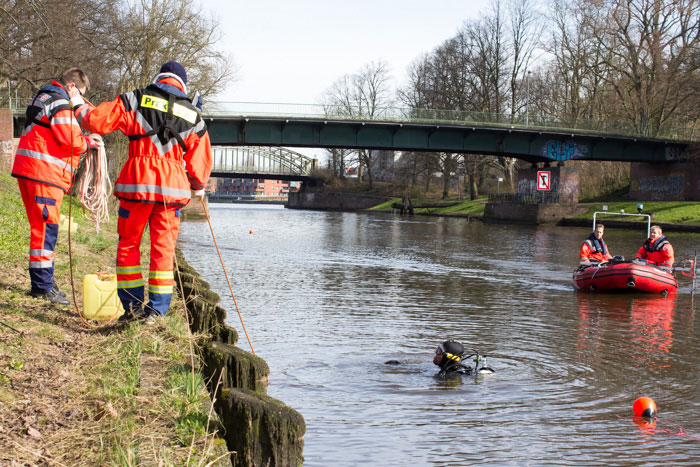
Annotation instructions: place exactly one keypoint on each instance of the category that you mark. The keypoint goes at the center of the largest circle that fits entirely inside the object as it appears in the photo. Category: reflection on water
(329, 297)
(645, 321)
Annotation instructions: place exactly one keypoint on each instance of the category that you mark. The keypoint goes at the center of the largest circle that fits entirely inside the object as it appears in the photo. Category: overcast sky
(291, 51)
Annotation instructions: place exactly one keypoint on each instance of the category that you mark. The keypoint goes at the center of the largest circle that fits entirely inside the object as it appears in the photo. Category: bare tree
(525, 32)
(37, 43)
(149, 33)
(365, 94)
(652, 54)
(339, 159)
(572, 86)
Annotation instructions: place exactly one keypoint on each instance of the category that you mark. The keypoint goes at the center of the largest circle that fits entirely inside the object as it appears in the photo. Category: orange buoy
(250, 232)
(644, 407)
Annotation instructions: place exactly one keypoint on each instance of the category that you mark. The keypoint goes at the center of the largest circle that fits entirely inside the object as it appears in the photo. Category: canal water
(328, 298)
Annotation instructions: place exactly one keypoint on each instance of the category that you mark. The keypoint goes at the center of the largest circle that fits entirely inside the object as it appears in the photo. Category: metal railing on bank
(532, 198)
(15, 104)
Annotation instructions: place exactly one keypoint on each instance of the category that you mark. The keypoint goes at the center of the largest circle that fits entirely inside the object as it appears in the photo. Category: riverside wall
(260, 429)
(323, 201)
(512, 213)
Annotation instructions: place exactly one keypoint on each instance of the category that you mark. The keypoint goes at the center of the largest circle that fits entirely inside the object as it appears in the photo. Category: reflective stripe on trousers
(164, 222)
(42, 204)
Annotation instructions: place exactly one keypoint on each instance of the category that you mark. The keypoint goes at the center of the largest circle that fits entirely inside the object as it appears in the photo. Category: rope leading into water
(206, 213)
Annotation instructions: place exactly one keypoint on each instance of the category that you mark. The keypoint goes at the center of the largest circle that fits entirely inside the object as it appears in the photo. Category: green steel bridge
(529, 137)
(534, 138)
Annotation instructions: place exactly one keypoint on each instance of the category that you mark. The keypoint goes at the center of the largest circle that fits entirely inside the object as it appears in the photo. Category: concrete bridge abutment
(670, 181)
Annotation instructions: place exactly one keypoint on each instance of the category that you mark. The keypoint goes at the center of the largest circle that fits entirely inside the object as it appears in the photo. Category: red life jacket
(658, 252)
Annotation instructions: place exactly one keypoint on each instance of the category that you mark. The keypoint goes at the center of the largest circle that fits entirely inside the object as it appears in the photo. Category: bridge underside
(528, 144)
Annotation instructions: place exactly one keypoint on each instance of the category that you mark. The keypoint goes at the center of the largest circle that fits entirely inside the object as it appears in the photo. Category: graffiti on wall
(674, 153)
(557, 185)
(564, 150)
(6, 147)
(660, 187)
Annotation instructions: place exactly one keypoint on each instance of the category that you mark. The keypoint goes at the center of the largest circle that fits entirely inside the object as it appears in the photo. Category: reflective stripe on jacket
(49, 149)
(164, 130)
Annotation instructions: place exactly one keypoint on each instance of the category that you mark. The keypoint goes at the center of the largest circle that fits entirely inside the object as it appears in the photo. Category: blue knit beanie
(176, 69)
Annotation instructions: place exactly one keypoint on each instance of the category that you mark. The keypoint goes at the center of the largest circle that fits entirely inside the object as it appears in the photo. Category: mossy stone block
(228, 335)
(263, 431)
(235, 368)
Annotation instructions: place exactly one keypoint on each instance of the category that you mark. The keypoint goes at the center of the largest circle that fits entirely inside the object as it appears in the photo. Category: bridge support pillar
(562, 182)
(672, 181)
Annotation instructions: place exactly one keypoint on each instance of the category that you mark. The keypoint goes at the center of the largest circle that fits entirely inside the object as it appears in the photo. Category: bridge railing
(690, 132)
(680, 132)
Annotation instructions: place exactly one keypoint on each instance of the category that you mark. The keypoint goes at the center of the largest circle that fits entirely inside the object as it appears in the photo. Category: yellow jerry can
(100, 299)
(63, 224)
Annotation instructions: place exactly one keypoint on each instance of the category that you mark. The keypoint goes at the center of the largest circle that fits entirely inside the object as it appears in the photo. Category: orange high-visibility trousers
(164, 224)
(43, 206)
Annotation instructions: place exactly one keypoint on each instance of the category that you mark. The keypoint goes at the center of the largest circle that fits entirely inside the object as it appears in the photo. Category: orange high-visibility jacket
(658, 252)
(49, 149)
(590, 252)
(164, 129)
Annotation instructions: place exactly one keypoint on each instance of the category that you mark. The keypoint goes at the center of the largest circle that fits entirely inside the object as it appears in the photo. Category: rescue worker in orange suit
(593, 248)
(169, 159)
(657, 249)
(47, 157)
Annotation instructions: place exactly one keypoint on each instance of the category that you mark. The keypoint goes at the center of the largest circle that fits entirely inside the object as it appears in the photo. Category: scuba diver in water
(450, 357)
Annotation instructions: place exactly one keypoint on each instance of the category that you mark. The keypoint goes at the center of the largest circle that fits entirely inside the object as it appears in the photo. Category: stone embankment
(331, 201)
(260, 429)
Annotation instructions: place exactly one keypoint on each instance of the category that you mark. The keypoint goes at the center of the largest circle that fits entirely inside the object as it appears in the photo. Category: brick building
(252, 188)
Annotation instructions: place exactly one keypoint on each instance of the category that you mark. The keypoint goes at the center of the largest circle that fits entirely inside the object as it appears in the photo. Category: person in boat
(450, 357)
(657, 250)
(593, 249)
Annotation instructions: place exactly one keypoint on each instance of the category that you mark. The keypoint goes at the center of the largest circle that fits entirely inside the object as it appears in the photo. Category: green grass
(14, 228)
(451, 206)
(621, 195)
(126, 397)
(186, 397)
(671, 212)
(118, 374)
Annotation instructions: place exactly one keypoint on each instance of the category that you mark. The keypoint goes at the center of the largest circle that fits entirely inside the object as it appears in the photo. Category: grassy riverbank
(663, 212)
(447, 207)
(71, 395)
